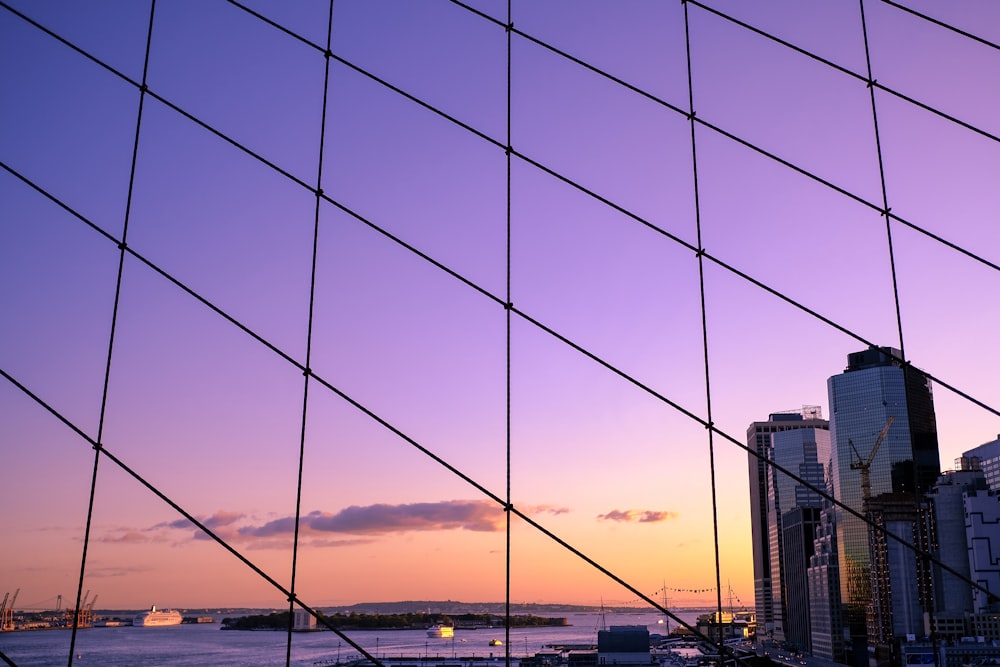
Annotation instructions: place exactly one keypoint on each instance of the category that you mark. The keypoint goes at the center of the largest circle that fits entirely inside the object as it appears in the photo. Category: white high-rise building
(982, 529)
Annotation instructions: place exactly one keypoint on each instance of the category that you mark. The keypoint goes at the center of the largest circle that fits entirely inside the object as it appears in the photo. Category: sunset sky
(212, 417)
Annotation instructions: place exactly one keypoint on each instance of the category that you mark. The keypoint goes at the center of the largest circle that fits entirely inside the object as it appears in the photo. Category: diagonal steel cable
(849, 72)
(575, 185)
(557, 336)
(481, 135)
(747, 144)
(108, 454)
(717, 261)
(941, 24)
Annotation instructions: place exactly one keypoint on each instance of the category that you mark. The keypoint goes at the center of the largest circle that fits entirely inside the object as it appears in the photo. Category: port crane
(864, 465)
(88, 614)
(78, 615)
(7, 612)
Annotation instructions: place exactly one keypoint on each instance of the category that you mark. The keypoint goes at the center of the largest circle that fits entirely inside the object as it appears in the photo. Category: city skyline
(413, 434)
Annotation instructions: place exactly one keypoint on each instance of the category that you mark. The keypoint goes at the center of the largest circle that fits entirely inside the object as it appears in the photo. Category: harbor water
(198, 645)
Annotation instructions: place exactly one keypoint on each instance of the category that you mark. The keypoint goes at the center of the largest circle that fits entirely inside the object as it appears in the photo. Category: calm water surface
(206, 644)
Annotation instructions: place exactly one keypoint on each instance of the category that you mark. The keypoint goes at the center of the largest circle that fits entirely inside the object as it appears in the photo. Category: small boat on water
(157, 617)
(441, 631)
(496, 642)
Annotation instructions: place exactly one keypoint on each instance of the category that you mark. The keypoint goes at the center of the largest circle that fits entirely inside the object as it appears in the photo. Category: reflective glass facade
(988, 456)
(873, 388)
(759, 441)
(803, 452)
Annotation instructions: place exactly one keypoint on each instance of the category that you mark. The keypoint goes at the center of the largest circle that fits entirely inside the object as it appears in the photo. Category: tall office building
(826, 637)
(873, 388)
(953, 596)
(901, 580)
(982, 530)
(799, 527)
(988, 456)
(803, 452)
(766, 535)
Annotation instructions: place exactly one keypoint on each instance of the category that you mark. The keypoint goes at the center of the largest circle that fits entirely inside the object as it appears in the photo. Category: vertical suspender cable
(98, 444)
(309, 334)
(507, 314)
(704, 333)
(881, 174)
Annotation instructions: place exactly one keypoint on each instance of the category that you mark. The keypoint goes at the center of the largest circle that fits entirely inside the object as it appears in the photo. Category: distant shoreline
(431, 607)
(352, 621)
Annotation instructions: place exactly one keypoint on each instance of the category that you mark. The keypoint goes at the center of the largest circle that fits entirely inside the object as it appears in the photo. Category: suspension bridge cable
(621, 82)
(274, 583)
(565, 341)
(319, 195)
(621, 209)
(704, 327)
(942, 24)
(845, 70)
(635, 217)
(98, 444)
(607, 202)
(922, 230)
(309, 336)
(507, 345)
(482, 489)
(881, 175)
(762, 151)
(424, 256)
(195, 522)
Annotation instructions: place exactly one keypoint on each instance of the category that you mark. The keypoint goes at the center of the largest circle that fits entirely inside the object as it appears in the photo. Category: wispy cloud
(357, 524)
(545, 509)
(117, 571)
(380, 519)
(126, 536)
(638, 516)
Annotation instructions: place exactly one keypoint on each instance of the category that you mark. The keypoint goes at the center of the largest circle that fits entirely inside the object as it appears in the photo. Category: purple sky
(212, 418)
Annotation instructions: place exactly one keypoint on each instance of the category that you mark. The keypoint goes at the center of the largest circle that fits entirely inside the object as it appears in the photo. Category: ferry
(154, 617)
(441, 631)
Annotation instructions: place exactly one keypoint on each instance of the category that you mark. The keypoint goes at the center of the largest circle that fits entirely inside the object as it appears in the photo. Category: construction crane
(864, 465)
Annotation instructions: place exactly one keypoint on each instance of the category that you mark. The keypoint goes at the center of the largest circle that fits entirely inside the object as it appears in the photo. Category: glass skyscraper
(874, 387)
(769, 498)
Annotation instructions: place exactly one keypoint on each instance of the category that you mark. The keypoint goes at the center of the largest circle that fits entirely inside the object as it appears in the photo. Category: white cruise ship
(441, 631)
(155, 617)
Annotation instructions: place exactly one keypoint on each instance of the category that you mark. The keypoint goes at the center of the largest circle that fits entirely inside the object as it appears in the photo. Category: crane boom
(879, 439)
(865, 466)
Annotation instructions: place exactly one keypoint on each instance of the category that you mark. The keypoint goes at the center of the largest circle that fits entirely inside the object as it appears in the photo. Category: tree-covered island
(279, 620)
